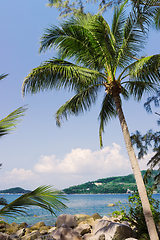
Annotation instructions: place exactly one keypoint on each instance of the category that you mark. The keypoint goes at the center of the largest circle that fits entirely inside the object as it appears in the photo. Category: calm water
(86, 204)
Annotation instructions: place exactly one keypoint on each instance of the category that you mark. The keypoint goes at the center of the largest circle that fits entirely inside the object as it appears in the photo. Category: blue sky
(39, 152)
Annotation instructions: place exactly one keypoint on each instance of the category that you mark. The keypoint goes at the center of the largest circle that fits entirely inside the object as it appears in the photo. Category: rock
(66, 233)
(36, 226)
(31, 236)
(83, 229)
(46, 228)
(89, 221)
(114, 231)
(27, 231)
(12, 229)
(52, 229)
(131, 239)
(21, 232)
(125, 223)
(67, 219)
(88, 236)
(96, 216)
(15, 237)
(4, 236)
(81, 217)
(14, 224)
(100, 224)
(23, 225)
(111, 205)
(43, 232)
(102, 237)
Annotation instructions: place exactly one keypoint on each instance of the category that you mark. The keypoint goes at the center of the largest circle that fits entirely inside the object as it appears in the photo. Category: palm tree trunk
(137, 173)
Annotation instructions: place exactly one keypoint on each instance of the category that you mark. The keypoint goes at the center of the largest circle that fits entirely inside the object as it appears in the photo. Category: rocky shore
(70, 227)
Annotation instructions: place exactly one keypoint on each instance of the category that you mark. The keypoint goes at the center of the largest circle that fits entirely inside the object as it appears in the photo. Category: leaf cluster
(135, 214)
(44, 197)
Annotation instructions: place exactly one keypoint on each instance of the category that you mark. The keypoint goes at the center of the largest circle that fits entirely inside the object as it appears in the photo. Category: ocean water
(77, 204)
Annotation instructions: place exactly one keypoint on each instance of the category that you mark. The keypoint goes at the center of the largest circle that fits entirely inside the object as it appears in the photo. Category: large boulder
(99, 225)
(4, 236)
(114, 231)
(66, 233)
(67, 219)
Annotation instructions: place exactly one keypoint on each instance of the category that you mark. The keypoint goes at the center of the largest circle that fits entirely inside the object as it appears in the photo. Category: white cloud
(19, 177)
(107, 161)
(77, 167)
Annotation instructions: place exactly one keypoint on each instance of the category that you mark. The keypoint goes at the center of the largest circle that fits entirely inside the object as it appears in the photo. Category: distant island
(16, 190)
(121, 184)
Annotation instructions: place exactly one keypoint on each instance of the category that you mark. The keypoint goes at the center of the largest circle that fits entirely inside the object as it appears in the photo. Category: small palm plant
(44, 197)
(105, 58)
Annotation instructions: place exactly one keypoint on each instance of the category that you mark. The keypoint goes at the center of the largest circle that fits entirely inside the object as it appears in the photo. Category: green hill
(15, 190)
(121, 184)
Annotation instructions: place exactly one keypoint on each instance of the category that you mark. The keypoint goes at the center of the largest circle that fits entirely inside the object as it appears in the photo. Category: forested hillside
(14, 190)
(121, 184)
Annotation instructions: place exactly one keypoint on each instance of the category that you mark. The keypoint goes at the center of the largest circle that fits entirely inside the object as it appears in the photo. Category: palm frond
(157, 19)
(108, 111)
(87, 40)
(79, 103)
(144, 76)
(43, 196)
(9, 123)
(57, 74)
(3, 76)
(119, 17)
(135, 33)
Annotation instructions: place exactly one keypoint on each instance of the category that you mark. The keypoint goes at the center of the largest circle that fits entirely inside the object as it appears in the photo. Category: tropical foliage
(148, 140)
(44, 197)
(74, 7)
(101, 53)
(134, 215)
(9, 123)
(104, 58)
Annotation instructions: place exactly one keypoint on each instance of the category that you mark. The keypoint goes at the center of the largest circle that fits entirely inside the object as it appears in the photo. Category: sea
(77, 204)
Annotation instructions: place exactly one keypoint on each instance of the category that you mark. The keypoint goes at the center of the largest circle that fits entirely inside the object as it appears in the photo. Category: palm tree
(44, 196)
(104, 58)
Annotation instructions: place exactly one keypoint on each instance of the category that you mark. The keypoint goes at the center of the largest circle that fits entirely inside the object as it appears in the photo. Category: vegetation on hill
(14, 190)
(121, 184)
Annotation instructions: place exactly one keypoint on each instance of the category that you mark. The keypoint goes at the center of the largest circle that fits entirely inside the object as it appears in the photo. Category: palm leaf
(57, 74)
(79, 39)
(79, 103)
(3, 76)
(9, 123)
(108, 111)
(43, 196)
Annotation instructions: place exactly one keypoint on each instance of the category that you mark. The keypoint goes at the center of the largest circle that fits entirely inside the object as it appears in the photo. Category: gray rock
(31, 236)
(114, 231)
(131, 239)
(66, 233)
(88, 236)
(100, 224)
(83, 229)
(102, 237)
(96, 216)
(67, 219)
(4, 236)
(21, 232)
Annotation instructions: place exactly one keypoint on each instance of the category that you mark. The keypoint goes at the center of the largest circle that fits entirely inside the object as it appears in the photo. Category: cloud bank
(78, 166)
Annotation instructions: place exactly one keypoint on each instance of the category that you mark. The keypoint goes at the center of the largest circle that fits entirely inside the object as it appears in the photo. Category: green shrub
(135, 214)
